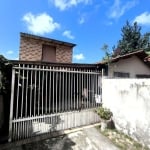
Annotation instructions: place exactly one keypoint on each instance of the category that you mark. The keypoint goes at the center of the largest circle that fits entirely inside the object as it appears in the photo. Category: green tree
(132, 39)
(107, 56)
(146, 40)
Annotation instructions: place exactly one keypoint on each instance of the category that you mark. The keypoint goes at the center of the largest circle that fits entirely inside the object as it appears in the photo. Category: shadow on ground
(84, 139)
(58, 143)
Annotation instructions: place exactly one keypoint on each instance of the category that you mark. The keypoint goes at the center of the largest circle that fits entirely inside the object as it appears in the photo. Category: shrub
(104, 113)
(5, 74)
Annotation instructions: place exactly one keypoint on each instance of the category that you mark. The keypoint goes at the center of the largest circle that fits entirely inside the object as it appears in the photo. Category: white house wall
(129, 100)
(132, 65)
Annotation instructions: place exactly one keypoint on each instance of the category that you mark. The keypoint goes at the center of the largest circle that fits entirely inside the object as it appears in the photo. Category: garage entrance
(52, 97)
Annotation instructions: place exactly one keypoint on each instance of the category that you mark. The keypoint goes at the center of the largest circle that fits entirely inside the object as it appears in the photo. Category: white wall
(129, 100)
(133, 65)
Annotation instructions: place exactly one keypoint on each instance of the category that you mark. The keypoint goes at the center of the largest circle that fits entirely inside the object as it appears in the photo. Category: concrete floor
(84, 139)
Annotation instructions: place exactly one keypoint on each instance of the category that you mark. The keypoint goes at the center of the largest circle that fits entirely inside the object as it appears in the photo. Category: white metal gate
(46, 98)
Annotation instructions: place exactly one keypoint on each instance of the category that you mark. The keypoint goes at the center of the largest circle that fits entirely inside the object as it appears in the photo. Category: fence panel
(49, 98)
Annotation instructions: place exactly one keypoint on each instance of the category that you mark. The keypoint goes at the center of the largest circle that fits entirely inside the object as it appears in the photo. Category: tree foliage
(105, 48)
(132, 39)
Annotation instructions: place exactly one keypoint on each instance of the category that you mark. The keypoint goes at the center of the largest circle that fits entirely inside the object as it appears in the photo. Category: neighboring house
(132, 65)
(36, 48)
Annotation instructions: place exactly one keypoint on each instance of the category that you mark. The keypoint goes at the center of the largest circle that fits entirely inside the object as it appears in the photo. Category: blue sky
(87, 23)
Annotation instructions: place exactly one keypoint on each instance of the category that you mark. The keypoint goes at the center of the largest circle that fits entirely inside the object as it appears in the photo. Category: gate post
(11, 104)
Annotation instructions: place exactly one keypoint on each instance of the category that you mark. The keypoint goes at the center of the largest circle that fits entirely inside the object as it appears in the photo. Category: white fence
(129, 100)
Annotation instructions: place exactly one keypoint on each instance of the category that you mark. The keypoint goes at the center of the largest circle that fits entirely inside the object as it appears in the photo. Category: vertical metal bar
(27, 92)
(88, 90)
(66, 91)
(85, 89)
(18, 129)
(74, 90)
(74, 99)
(60, 92)
(63, 92)
(69, 92)
(92, 94)
(86, 83)
(80, 89)
(67, 99)
(14, 131)
(77, 89)
(98, 89)
(31, 86)
(11, 104)
(42, 89)
(50, 89)
(89, 93)
(35, 80)
(46, 99)
(95, 94)
(92, 86)
(39, 90)
(101, 85)
(82, 92)
(71, 105)
(53, 90)
(23, 129)
(22, 98)
(96, 86)
(18, 87)
(56, 80)
(27, 128)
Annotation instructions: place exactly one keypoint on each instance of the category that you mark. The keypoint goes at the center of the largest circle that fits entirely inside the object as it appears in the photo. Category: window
(49, 53)
(143, 76)
(121, 74)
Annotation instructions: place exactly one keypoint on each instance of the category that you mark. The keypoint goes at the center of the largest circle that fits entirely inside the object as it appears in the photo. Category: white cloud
(79, 56)
(68, 34)
(41, 23)
(9, 52)
(118, 9)
(143, 18)
(65, 4)
(82, 19)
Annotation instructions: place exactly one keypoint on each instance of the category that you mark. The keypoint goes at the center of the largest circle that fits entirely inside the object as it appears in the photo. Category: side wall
(127, 65)
(129, 100)
(31, 50)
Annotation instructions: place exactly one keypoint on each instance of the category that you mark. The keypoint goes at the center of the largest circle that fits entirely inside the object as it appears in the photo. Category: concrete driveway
(84, 139)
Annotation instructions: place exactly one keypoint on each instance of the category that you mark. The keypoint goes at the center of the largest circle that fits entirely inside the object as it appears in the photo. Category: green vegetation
(123, 141)
(4, 74)
(104, 113)
(131, 40)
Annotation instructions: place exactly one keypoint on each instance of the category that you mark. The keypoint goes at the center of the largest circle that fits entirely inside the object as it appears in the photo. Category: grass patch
(122, 141)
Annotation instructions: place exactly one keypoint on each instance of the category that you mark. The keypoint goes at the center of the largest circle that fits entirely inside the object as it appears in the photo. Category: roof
(140, 54)
(46, 39)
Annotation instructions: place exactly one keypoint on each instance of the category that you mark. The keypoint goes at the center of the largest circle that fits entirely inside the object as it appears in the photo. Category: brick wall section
(63, 54)
(31, 49)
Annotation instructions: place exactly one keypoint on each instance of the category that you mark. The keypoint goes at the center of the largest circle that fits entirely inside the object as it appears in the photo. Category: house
(131, 65)
(36, 48)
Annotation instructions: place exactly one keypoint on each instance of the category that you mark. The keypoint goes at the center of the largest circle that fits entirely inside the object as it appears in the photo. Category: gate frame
(16, 63)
